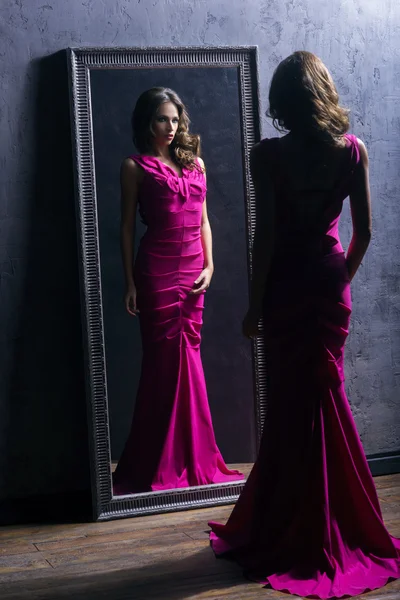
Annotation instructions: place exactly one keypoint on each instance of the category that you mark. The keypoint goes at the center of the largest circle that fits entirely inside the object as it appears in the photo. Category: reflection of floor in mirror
(244, 468)
(155, 557)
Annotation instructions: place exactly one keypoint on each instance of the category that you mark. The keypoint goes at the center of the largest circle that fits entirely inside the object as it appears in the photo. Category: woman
(171, 443)
(308, 521)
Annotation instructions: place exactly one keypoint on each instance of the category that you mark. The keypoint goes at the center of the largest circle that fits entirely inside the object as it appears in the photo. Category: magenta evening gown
(308, 521)
(171, 442)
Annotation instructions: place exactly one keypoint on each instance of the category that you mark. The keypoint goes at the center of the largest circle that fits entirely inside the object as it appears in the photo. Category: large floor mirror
(219, 88)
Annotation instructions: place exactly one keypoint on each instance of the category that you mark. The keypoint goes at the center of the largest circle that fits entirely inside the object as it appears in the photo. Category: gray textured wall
(42, 414)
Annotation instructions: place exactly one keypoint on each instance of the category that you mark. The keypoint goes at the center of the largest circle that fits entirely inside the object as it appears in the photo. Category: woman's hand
(130, 300)
(250, 325)
(203, 281)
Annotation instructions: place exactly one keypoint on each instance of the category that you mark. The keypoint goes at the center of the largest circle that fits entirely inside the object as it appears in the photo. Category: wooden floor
(156, 557)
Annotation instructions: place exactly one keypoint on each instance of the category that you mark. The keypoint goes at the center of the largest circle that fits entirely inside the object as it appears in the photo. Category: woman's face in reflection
(165, 124)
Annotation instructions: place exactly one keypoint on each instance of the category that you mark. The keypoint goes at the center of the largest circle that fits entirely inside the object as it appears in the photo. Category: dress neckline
(163, 164)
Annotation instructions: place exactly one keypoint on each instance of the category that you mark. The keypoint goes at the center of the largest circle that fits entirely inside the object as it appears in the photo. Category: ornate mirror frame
(81, 62)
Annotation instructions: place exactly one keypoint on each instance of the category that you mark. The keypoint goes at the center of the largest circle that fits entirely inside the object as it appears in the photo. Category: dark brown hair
(303, 99)
(185, 146)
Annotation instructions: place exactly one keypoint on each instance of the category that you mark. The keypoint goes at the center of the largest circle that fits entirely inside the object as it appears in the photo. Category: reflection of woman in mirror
(308, 520)
(171, 443)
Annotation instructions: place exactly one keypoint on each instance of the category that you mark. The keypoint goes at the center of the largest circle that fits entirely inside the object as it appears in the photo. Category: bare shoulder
(363, 152)
(259, 155)
(201, 162)
(130, 171)
(260, 151)
(262, 145)
(128, 165)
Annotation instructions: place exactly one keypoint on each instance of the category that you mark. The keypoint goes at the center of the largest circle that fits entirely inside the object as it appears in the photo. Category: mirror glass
(170, 426)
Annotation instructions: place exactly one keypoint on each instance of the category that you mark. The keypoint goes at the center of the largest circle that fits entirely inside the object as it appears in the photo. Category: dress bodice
(163, 193)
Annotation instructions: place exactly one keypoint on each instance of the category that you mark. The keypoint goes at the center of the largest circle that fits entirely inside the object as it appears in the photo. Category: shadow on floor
(176, 579)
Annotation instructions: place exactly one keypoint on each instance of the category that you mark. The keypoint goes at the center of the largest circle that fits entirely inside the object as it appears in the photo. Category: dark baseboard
(386, 463)
(71, 507)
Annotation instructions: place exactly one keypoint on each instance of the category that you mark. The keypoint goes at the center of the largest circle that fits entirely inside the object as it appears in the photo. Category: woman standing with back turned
(308, 520)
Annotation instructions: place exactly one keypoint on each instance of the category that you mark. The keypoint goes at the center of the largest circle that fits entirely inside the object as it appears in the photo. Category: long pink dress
(171, 442)
(308, 521)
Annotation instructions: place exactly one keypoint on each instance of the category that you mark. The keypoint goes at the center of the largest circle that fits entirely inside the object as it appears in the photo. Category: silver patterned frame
(81, 61)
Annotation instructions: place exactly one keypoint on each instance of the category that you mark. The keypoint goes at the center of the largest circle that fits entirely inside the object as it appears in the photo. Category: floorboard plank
(23, 562)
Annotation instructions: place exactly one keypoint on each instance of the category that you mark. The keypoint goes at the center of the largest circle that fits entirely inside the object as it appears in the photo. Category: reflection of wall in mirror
(211, 96)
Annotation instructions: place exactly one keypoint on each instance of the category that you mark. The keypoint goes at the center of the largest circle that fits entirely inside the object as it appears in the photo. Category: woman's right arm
(129, 178)
(360, 204)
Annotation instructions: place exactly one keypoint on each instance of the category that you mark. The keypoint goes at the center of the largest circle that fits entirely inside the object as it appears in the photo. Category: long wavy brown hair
(185, 146)
(303, 99)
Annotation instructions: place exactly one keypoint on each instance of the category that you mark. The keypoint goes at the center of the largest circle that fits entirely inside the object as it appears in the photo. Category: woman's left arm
(204, 279)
